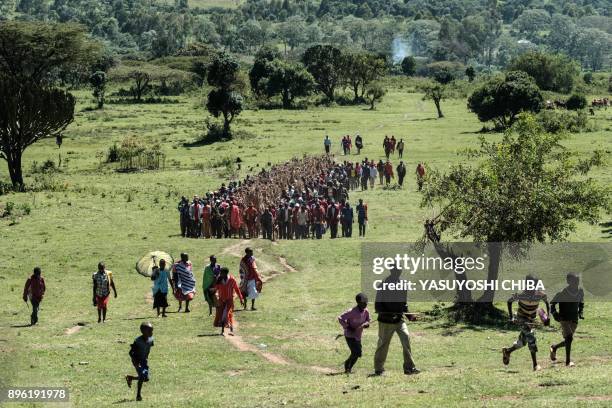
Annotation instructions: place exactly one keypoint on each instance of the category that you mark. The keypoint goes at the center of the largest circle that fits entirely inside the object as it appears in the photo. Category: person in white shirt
(373, 174)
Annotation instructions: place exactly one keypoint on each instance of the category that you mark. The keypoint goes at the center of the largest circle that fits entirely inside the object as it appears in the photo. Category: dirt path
(268, 272)
(74, 329)
(237, 341)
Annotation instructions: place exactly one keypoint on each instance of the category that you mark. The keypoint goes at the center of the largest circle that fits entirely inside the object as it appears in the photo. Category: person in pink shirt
(353, 321)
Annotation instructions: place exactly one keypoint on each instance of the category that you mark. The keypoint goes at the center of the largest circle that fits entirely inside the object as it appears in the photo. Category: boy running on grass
(354, 321)
(139, 353)
(528, 302)
(571, 305)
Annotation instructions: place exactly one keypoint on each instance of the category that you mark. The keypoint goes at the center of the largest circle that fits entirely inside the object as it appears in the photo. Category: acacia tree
(32, 57)
(143, 75)
(325, 64)
(141, 84)
(361, 69)
(28, 114)
(525, 188)
(225, 100)
(436, 92)
(35, 52)
(440, 87)
(374, 94)
(289, 81)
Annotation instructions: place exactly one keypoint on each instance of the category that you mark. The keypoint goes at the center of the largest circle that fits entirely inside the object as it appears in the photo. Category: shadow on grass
(469, 316)
(481, 131)
(203, 142)
(210, 335)
(335, 374)
(606, 229)
(421, 120)
(20, 326)
(123, 401)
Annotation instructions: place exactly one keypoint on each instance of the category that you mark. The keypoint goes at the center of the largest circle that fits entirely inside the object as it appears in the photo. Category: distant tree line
(478, 32)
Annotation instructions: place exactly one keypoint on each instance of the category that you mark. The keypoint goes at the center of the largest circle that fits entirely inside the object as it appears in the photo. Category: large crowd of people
(299, 199)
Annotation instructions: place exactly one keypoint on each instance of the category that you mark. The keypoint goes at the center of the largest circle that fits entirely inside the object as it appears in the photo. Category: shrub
(47, 182)
(135, 154)
(222, 162)
(408, 66)
(25, 208)
(8, 209)
(113, 154)
(559, 121)
(576, 102)
(48, 166)
(5, 187)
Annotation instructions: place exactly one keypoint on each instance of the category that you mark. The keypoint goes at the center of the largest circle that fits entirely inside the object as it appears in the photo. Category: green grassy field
(97, 213)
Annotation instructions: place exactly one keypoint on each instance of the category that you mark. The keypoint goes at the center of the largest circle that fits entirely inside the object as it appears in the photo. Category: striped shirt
(184, 277)
(528, 302)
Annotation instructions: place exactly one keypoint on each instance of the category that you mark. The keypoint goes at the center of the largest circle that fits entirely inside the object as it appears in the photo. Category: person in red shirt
(235, 220)
(420, 172)
(251, 216)
(388, 172)
(250, 281)
(34, 290)
(318, 216)
(225, 288)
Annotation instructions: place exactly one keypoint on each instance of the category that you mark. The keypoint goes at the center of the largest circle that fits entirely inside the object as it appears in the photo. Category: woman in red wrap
(226, 287)
(235, 219)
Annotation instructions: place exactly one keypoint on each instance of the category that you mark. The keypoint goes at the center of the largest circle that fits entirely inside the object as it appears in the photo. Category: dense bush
(48, 166)
(564, 121)
(443, 71)
(135, 154)
(576, 102)
(551, 72)
(501, 99)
